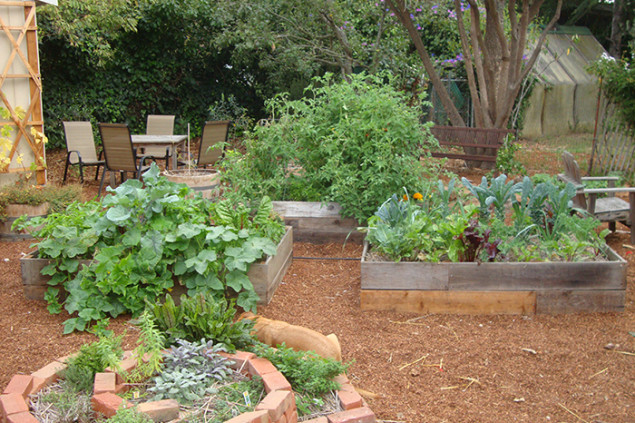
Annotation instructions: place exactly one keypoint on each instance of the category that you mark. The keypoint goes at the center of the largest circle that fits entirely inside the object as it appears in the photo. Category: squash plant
(145, 238)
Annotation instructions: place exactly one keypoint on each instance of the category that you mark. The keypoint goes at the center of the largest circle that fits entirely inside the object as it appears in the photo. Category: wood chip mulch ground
(411, 368)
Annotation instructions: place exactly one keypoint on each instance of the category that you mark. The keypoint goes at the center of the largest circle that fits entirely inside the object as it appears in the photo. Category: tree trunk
(402, 12)
(617, 24)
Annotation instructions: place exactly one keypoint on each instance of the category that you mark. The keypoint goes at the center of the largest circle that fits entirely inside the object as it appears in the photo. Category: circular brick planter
(278, 406)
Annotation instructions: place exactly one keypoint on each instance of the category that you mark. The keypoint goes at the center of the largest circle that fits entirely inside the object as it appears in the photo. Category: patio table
(161, 141)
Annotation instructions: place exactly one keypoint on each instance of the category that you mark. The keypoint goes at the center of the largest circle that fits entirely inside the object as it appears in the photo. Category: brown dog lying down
(275, 332)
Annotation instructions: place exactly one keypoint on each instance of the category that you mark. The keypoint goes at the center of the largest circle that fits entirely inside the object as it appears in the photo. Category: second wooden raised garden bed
(317, 222)
(494, 288)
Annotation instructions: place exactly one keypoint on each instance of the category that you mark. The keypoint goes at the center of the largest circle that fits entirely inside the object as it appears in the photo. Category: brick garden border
(278, 406)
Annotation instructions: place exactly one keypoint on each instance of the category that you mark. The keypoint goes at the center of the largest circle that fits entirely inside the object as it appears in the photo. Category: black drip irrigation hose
(326, 258)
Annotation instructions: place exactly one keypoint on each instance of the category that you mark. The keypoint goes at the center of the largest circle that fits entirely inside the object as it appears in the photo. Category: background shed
(564, 98)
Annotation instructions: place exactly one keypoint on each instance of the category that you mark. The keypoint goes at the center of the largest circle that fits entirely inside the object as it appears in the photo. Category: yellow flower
(19, 159)
(33, 131)
(417, 196)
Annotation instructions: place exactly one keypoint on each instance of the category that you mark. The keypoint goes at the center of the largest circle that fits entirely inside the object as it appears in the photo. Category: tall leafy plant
(353, 142)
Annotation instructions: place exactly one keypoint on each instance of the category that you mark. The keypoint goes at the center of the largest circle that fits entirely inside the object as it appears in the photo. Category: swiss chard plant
(110, 256)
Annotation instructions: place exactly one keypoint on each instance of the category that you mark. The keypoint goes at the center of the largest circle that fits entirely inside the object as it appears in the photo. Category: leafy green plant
(307, 372)
(352, 142)
(142, 240)
(529, 223)
(496, 195)
(91, 359)
(190, 371)
(506, 161)
(201, 316)
(129, 415)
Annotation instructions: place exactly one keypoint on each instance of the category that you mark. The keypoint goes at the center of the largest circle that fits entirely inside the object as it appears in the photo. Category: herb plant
(142, 240)
(352, 142)
(91, 359)
(230, 400)
(129, 415)
(62, 403)
(201, 316)
(191, 371)
(307, 372)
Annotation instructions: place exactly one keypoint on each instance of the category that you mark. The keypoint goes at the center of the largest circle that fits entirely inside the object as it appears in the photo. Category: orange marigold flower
(417, 196)
(405, 197)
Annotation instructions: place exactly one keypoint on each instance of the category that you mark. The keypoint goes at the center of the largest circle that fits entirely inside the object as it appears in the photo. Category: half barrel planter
(264, 275)
(13, 211)
(494, 288)
(318, 222)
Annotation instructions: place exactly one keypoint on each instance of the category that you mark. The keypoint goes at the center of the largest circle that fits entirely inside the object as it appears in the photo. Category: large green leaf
(118, 214)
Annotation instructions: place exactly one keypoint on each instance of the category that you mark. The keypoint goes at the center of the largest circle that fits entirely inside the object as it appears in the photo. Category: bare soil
(411, 368)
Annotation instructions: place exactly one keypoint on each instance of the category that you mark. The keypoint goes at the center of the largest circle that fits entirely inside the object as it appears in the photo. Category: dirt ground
(564, 368)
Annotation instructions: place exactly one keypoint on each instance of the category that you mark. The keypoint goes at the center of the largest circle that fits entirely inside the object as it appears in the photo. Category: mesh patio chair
(214, 132)
(159, 125)
(80, 148)
(119, 153)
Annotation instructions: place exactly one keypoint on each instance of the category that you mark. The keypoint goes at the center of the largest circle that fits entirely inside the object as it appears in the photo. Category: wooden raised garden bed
(265, 276)
(494, 288)
(317, 222)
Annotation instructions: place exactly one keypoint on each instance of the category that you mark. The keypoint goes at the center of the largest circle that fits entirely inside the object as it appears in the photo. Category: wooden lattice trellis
(613, 143)
(33, 112)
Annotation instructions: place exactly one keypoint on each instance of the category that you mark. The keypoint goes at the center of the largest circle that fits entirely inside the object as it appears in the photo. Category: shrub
(618, 83)
(351, 142)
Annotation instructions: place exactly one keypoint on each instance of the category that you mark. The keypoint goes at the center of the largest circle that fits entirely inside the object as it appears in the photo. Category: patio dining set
(124, 152)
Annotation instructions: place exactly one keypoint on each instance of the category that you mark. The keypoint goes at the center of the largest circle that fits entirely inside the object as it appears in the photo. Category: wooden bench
(479, 144)
(609, 209)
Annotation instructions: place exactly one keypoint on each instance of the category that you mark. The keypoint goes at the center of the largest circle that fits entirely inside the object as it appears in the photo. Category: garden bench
(480, 145)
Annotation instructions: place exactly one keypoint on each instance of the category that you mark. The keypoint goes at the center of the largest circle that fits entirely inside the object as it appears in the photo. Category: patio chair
(214, 132)
(609, 209)
(80, 148)
(159, 125)
(119, 152)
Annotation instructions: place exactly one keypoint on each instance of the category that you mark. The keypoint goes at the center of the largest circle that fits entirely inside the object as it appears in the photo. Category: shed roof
(565, 56)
